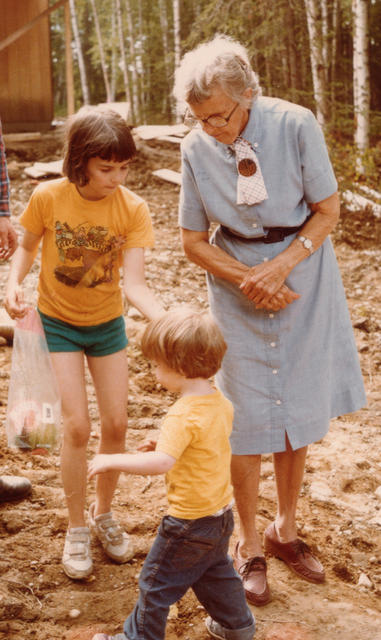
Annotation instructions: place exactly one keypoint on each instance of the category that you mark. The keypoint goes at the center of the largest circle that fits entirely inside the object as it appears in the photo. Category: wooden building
(26, 88)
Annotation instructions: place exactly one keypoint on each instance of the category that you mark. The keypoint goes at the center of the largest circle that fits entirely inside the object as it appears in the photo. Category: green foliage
(275, 33)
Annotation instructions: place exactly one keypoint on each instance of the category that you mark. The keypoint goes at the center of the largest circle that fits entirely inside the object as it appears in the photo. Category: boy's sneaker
(76, 557)
(115, 542)
(218, 631)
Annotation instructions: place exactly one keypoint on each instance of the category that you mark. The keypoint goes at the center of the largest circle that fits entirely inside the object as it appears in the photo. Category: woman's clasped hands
(264, 285)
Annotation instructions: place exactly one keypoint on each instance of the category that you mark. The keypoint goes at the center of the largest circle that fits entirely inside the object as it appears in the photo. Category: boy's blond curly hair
(187, 341)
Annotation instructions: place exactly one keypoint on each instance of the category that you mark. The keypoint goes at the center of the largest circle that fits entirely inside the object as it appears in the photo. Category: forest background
(323, 54)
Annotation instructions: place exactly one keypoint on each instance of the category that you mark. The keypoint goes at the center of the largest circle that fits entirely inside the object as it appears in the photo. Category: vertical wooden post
(69, 63)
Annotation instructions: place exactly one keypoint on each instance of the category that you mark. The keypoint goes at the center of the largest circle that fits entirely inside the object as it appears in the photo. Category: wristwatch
(307, 243)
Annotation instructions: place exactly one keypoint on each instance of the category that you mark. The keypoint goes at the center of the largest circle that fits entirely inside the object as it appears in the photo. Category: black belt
(274, 234)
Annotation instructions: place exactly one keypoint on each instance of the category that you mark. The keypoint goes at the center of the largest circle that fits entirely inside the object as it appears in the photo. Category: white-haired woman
(259, 167)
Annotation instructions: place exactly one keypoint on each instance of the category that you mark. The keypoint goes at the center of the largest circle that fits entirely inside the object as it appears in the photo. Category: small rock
(364, 581)
(74, 613)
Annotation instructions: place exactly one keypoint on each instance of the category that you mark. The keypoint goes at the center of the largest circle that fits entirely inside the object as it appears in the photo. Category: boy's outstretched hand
(101, 463)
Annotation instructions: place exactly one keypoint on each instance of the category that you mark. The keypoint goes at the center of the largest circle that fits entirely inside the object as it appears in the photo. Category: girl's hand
(14, 302)
(100, 464)
(147, 445)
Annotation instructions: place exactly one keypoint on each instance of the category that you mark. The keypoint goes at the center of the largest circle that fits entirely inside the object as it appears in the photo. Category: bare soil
(340, 506)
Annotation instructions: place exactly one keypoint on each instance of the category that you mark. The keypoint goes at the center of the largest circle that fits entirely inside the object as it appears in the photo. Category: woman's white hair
(220, 63)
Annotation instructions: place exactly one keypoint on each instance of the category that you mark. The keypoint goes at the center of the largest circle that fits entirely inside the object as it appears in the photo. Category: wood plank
(150, 131)
(168, 174)
(123, 108)
(174, 139)
(40, 169)
(21, 137)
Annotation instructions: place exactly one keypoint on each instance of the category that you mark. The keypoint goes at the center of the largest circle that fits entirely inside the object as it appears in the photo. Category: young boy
(193, 450)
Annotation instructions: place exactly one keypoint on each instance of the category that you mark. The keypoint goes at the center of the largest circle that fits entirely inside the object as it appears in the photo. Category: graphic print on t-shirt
(88, 254)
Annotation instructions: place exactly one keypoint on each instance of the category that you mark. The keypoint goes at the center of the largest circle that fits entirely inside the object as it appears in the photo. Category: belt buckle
(274, 235)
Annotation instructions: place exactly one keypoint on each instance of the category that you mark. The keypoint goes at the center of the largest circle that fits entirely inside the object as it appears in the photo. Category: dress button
(265, 259)
(255, 145)
(275, 371)
(273, 344)
(271, 315)
(279, 401)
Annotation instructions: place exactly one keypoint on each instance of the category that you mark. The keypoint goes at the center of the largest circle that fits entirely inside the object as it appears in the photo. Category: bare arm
(263, 281)
(135, 286)
(21, 264)
(221, 264)
(145, 463)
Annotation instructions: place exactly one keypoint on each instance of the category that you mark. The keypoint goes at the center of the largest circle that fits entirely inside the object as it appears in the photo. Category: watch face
(307, 243)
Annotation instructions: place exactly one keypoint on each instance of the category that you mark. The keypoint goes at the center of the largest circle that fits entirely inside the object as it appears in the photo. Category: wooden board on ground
(123, 108)
(21, 137)
(168, 174)
(174, 139)
(40, 169)
(150, 131)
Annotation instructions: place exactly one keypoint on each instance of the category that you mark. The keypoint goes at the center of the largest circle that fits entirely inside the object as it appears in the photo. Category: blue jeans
(189, 553)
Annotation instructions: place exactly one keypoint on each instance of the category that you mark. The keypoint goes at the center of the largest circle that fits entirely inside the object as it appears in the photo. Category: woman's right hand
(280, 300)
(14, 302)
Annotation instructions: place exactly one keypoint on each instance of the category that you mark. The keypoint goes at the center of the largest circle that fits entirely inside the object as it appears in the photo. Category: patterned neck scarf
(251, 188)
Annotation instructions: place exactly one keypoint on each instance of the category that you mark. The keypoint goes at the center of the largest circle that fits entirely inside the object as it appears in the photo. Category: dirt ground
(340, 506)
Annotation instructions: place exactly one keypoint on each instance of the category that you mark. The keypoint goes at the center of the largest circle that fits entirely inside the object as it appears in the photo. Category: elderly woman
(259, 168)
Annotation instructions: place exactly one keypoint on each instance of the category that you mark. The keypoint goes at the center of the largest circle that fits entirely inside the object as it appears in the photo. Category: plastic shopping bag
(34, 408)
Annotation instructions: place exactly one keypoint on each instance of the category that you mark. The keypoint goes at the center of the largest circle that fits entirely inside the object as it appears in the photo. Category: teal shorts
(96, 340)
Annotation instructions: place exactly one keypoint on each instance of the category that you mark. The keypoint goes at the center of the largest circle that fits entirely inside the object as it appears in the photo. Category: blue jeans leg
(184, 551)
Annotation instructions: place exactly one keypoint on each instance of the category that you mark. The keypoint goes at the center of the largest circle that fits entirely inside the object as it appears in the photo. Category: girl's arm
(135, 286)
(147, 463)
(20, 266)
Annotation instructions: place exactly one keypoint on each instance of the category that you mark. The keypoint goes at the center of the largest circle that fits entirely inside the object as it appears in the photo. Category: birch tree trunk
(134, 74)
(167, 102)
(101, 51)
(78, 47)
(123, 62)
(177, 42)
(361, 90)
(113, 52)
(317, 60)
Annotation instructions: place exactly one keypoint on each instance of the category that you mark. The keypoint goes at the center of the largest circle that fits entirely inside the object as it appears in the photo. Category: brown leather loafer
(296, 554)
(253, 574)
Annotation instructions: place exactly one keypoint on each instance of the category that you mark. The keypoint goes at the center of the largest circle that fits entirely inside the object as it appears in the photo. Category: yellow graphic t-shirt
(196, 433)
(82, 248)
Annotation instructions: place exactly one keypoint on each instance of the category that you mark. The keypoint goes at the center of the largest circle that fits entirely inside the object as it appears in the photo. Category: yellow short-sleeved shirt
(196, 433)
(82, 246)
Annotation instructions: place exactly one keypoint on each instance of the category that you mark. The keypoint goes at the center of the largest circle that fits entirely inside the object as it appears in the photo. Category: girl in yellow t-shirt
(90, 226)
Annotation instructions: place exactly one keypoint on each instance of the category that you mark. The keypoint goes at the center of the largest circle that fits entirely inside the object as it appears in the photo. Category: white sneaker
(76, 557)
(115, 542)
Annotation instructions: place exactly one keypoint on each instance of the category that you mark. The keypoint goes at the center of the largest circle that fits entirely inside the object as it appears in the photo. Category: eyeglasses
(213, 121)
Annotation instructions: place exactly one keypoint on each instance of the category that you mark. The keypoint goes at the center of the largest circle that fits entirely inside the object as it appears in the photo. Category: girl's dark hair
(95, 132)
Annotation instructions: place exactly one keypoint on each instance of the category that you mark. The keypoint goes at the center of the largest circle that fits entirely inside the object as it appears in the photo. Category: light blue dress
(293, 370)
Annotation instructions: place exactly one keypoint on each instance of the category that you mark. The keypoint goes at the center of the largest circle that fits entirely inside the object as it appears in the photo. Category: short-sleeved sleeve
(192, 213)
(35, 218)
(140, 232)
(318, 177)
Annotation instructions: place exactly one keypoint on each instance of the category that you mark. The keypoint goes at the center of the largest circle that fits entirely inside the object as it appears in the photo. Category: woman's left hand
(263, 282)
